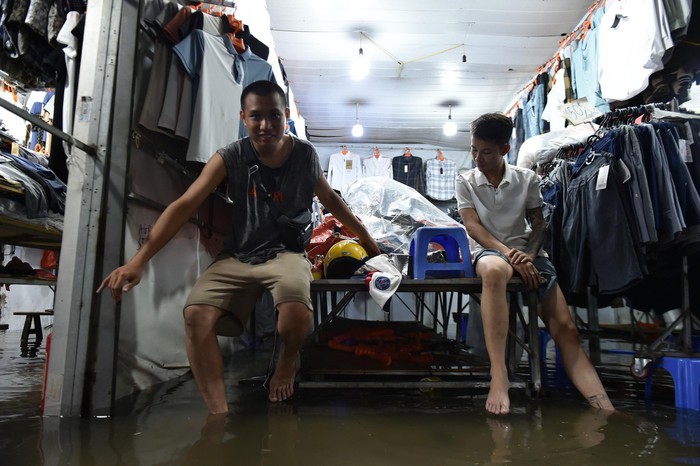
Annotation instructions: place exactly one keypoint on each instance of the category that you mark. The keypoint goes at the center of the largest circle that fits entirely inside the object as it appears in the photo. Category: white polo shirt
(501, 208)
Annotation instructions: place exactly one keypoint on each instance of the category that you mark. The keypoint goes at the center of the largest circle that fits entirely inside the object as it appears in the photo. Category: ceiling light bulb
(357, 130)
(360, 66)
(450, 127)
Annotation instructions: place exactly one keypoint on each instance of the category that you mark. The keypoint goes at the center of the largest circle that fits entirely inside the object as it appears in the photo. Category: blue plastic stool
(686, 380)
(560, 379)
(454, 240)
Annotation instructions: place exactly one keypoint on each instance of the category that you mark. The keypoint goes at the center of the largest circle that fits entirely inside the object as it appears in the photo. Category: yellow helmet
(343, 259)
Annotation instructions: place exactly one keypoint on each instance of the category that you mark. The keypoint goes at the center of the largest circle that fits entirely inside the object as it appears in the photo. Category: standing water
(169, 425)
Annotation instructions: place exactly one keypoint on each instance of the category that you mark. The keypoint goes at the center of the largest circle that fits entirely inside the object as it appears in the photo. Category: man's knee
(200, 316)
(495, 275)
(293, 314)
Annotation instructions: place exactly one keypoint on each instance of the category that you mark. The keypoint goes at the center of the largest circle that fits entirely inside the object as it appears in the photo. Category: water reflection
(334, 428)
(169, 426)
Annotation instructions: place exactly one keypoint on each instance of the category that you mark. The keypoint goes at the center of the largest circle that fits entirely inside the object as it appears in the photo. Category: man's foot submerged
(601, 401)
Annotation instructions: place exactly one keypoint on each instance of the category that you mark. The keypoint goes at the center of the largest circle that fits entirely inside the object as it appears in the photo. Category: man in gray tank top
(254, 257)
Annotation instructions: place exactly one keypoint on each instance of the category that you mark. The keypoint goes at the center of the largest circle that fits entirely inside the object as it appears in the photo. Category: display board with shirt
(343, 170)
(501, 209)
(409, 171)
(440, 178)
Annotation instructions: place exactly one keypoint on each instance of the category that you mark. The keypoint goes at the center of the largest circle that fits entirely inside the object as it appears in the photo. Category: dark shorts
(543, 265)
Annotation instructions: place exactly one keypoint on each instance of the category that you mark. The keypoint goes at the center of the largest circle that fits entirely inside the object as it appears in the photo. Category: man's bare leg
(293, 325)
(556, 316)
(495, 273)
(204, 354)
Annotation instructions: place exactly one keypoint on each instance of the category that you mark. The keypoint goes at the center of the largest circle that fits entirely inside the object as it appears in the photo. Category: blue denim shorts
(543, 265)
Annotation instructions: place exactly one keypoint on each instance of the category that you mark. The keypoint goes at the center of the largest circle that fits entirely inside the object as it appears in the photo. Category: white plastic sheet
(392, 212)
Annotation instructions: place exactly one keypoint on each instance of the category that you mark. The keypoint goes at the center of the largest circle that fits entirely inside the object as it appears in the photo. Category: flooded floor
(169, 426)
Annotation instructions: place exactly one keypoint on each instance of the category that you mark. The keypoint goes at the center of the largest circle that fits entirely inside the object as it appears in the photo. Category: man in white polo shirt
(501, 207)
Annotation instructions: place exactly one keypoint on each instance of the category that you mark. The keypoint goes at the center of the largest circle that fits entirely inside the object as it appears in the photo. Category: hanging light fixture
(360, 64)
(450, 127)
(357, 129)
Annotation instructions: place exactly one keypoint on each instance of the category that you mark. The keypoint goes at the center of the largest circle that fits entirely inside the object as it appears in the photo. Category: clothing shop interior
(112, 109)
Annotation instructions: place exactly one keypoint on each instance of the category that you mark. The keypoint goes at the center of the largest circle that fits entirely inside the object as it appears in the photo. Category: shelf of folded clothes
(29, 234)
(17, 272)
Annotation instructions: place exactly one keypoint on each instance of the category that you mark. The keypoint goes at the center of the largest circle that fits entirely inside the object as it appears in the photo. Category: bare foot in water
(282, 381)
(601, 401)
(498, 401)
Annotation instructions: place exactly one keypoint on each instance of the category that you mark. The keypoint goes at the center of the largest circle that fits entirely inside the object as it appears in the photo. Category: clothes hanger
(407, 152)
(344, 150)
(439, 155)
(236, 26)
(377, 153)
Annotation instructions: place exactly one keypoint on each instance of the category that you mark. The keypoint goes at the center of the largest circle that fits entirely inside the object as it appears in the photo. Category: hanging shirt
(555, 98)
(215, 119)
(66, 37)
(409, 171)
(343, 170)
(377, 166)
(634, 36)
(584, 63)
(440, 178)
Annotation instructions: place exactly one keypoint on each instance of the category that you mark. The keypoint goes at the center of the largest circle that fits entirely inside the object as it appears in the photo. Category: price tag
(579, 111)
(684, 149)
(348, 165)
(602, 181)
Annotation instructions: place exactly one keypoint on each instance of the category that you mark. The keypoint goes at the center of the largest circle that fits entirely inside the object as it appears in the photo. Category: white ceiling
(505, 41)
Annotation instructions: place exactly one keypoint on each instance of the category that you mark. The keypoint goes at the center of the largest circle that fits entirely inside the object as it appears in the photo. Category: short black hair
(263, 88)
(493, 127)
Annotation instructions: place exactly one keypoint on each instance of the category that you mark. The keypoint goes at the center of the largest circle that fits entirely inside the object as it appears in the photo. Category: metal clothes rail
(35, 120)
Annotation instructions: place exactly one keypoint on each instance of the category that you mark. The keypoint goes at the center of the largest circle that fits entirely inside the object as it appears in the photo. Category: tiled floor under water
(169, 425)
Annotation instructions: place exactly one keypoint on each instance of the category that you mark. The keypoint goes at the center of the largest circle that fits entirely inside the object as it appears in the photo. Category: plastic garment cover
(392, 211)
(544, 147)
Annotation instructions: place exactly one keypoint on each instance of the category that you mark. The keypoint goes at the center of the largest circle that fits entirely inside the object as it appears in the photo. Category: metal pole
(36, 121)
(75, 293)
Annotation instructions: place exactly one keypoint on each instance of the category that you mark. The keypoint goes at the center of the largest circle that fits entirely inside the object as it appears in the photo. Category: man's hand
(370, 246)
(516, 257)
(122, 279)
(529, 273)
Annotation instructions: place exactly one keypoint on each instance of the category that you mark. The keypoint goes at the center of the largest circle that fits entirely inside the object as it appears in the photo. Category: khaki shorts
(235, 286)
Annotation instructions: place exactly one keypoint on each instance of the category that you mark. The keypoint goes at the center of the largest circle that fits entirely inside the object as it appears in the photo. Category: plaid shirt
(409, 171)
(440, 178)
